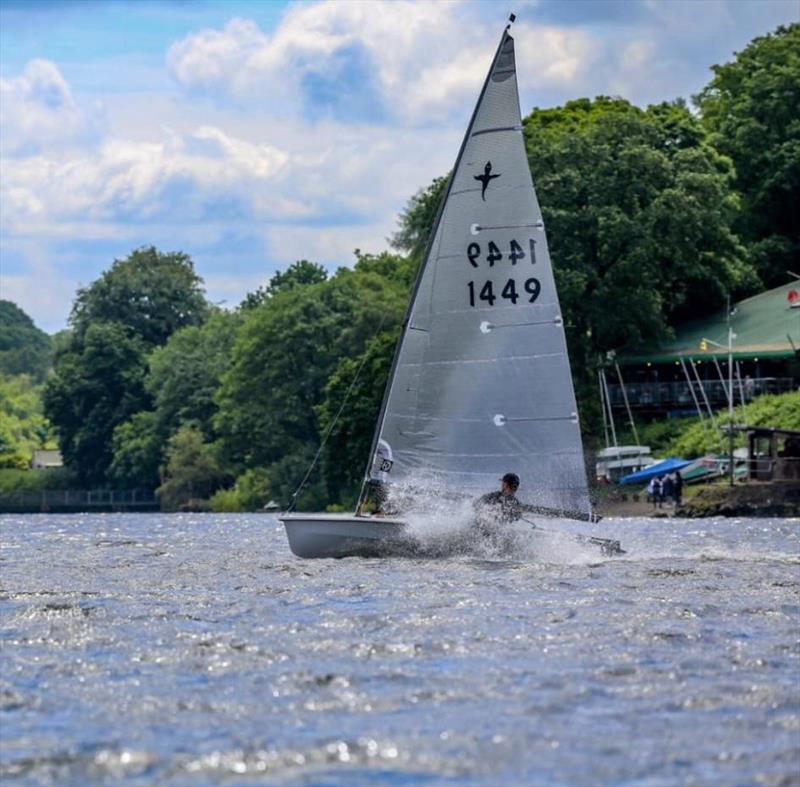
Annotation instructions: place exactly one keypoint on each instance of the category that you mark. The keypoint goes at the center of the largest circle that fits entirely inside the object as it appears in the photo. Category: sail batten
(481, 368)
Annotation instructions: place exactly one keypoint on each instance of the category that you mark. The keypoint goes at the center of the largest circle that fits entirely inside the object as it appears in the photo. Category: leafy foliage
(24, 349)
(23, 427)
(780, 411)
(151, 293)
(99, 384)
(251, 492)
(640, 212)
(185, 373)
(298, 274)
(191, 472)
(347, 450)
(137, 448)
(19, 480)
(284, 354)
(751, 109)
(418, 218)
(100, 368)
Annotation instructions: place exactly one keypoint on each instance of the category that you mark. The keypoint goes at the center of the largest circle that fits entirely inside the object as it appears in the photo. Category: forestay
(481, 383)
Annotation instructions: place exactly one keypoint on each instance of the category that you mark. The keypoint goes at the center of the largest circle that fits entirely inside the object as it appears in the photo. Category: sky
(250, 134)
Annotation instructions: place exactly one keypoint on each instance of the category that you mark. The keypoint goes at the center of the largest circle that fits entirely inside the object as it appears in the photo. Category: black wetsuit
(505, 507)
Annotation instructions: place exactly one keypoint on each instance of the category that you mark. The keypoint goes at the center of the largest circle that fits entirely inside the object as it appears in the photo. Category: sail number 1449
(485, 292)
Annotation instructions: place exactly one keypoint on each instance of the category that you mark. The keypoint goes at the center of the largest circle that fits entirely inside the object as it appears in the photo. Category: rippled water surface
(181, 649)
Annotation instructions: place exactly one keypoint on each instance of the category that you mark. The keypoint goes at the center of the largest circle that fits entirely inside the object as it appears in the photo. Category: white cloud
(426, 58)
(37, 109)
(186, 176)
(44, 292)
(331, 246)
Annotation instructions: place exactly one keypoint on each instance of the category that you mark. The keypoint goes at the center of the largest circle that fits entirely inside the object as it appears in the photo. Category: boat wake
(455, 531)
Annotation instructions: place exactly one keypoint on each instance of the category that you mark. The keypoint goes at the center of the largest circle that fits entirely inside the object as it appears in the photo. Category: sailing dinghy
(480, 384)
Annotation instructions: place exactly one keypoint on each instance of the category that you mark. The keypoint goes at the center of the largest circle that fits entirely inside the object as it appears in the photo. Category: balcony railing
(661, 396)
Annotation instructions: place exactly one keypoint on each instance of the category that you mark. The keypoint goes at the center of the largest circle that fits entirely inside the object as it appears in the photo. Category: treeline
(653, 215)
(159, 389)
(25, 357)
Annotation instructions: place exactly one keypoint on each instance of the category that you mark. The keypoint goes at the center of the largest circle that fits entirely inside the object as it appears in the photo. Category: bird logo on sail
(485, 178)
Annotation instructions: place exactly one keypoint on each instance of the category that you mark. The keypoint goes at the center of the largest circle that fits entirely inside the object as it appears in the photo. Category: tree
(347, 450)
(640, 212)
(150, 292)
(191, 472)
(137, 449)
(418, 217)
(99, 384)
(101, 364)
(182, 379)
(23, 428)
(298, 274)
(24, 349)
(185, 373)
(284, 354)
(752, 109)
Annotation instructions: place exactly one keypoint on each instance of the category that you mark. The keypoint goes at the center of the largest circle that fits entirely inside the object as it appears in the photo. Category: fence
(678, 394)
(75, 500)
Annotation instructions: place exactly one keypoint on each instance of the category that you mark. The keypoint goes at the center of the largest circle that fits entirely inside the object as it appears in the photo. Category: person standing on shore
(668, 488)
(677, 487)
(651, 492)
(658, 495)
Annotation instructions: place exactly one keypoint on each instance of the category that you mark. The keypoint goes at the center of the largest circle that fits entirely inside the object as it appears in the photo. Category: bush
(15, 480)
(779, 411)
(226, 501)
(249, 493)
(192, 471)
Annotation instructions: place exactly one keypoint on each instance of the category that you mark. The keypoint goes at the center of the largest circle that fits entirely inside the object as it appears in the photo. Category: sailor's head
(510, 483)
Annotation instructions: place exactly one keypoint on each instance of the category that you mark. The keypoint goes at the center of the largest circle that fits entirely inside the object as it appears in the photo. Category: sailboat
(480, 384)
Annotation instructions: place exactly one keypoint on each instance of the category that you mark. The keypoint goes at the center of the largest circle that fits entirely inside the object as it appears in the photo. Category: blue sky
(250, 134)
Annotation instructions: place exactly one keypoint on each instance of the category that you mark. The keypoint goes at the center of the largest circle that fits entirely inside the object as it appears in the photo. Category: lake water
(196, 650)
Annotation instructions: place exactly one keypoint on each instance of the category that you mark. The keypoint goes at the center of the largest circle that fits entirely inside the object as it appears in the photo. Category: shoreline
(781, 500)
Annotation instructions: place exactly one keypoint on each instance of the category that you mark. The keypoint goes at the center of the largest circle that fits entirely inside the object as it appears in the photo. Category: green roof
(762, 326)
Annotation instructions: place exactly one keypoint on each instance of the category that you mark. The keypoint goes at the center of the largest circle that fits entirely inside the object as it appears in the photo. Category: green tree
(101, 363)
(346, 453)
(24, 349)
(284, 355)
(99, 384)
(639, 211)
(752, 109)
(182, 379)
(23, 427)
(417, 219)
(298, 274)
(150, 292)
(191, 471)
(185, 373)
(137, 448)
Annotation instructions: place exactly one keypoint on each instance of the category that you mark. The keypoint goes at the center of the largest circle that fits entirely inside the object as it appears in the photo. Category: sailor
(376, 492)
(503, 505)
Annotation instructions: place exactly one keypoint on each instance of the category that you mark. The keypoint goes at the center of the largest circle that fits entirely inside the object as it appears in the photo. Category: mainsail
(481, 383)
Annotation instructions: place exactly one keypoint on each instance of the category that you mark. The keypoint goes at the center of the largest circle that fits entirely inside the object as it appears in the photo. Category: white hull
(344, 535)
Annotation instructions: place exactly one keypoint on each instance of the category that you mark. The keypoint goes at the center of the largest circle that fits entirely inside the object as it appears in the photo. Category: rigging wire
(335, 420)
